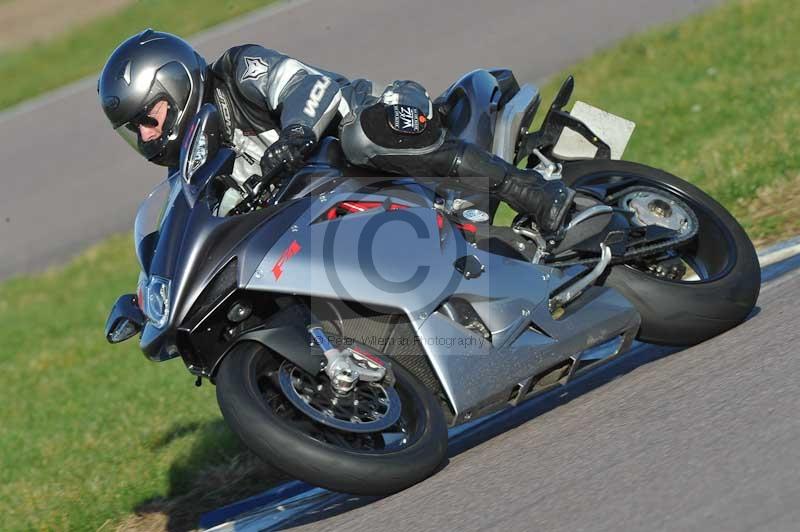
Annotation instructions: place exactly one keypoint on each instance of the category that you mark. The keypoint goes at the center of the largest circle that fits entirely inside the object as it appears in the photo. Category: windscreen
(150, 215)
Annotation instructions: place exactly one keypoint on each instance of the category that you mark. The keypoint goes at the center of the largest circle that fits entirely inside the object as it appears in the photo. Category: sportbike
(348, 319)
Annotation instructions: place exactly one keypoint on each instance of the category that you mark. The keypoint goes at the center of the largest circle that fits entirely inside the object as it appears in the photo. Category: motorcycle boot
(525, 191)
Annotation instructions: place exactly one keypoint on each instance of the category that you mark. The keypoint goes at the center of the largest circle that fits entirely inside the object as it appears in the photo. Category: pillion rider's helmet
(143, 71)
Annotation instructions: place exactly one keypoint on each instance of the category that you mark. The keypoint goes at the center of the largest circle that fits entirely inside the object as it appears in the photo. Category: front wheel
(256, 408)
(723, 276)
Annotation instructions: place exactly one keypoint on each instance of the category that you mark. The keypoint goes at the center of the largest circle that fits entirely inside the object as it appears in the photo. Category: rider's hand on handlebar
(288, 153)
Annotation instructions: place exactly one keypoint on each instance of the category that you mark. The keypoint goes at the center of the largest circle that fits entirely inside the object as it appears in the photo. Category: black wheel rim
(711, 254)
(369, 407)
(402, 434)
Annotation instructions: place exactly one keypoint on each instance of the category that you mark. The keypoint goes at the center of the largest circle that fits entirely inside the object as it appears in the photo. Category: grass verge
(715, 102)
(41, 67)
(93, 432)
(94, 436)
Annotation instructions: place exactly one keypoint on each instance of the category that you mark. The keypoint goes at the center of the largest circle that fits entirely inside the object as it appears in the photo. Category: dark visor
(144, 118)
(130, 129)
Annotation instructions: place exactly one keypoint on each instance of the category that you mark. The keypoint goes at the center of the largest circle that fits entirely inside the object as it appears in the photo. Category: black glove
(288, 153)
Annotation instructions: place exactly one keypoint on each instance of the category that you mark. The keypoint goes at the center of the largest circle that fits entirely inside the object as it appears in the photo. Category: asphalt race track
(68, 181)
(702, 439)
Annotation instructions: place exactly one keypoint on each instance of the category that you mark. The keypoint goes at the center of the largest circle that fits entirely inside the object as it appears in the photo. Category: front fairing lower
(167, 257)
(195, 244)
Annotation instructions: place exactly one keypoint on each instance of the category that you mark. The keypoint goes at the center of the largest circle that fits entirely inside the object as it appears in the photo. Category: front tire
(678, 312)
(287, 439)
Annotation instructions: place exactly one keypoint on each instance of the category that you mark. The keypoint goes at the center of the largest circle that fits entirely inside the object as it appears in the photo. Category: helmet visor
(129, 132)
(148, 132)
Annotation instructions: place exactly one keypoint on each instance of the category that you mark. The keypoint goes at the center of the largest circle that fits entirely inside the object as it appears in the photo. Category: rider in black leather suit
(276, 108)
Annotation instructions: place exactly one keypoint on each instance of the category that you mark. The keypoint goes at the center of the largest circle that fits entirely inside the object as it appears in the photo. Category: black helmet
(144, 70)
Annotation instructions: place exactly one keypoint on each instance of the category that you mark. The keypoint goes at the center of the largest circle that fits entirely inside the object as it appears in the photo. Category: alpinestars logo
(255, 68)
(315, 97)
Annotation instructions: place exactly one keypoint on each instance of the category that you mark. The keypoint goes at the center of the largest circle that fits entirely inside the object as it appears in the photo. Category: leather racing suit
(263, 95)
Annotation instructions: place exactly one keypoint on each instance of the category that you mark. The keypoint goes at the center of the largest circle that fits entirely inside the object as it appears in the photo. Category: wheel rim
(402, 433)
(709, 256)
(653, 207)
(369, 407)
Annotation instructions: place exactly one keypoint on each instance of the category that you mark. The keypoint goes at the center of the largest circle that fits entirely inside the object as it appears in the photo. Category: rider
(275, 109)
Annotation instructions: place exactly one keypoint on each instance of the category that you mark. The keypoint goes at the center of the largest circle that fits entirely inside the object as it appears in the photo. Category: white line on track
(779, 252)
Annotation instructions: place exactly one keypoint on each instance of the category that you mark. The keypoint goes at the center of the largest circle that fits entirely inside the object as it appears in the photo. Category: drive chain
(643, 250)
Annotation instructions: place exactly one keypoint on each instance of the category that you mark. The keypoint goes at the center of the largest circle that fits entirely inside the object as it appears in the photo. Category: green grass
(92, 433)
(41, 67)
(715, 100)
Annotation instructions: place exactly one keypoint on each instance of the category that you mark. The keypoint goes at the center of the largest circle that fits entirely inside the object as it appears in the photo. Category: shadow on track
(216, 471)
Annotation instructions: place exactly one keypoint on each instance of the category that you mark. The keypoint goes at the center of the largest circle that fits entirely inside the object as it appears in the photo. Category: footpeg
(550, 170)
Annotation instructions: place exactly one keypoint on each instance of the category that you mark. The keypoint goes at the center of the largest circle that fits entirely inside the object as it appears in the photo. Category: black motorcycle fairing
(587, 235)
(470, 105)
(328, 153)
(204, 334)
(325, 170)
(198, 250)
(146, 250)
(194, 245)
(206, 124)
(169, 238)
(175, 214)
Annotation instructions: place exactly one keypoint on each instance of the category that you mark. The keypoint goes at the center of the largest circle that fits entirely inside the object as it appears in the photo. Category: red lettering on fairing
(290, 252)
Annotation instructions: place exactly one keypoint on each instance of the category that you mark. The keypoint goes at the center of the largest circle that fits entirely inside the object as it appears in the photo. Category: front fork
(346, 367)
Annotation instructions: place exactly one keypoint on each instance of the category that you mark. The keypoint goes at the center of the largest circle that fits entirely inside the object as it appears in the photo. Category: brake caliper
(346, 367)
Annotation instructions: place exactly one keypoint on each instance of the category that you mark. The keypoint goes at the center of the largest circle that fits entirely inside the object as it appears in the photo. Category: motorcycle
(348, 319)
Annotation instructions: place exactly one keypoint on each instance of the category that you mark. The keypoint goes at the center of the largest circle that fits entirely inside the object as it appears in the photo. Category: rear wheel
(255, 405)
(722, 275)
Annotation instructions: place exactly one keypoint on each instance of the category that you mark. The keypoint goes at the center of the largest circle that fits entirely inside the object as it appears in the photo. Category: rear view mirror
(201, 143)
(125, 320)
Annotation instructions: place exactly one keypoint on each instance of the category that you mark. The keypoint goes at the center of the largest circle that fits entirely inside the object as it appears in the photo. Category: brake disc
(369, 407)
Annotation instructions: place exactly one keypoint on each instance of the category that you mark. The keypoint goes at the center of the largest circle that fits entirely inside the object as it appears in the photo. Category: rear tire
(242, 401)
(680, 312)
